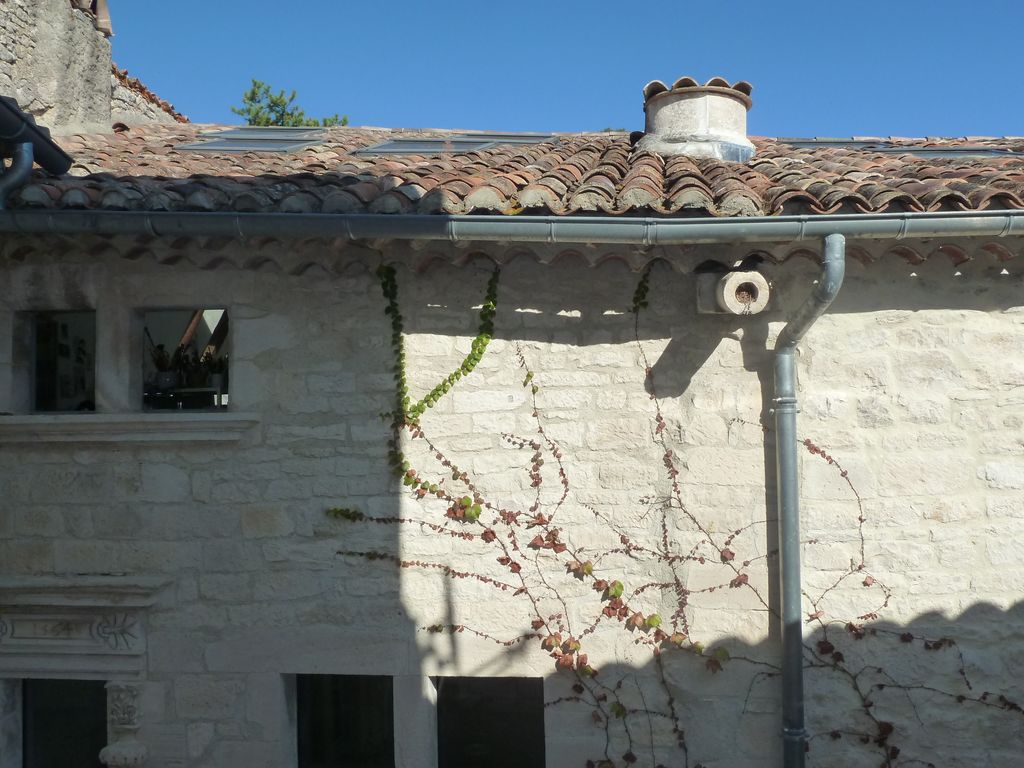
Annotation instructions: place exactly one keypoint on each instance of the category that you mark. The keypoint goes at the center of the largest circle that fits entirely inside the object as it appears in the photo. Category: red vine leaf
(727, 555)
(739, 581)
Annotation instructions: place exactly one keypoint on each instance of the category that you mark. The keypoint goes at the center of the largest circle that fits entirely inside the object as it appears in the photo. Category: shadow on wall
(935, 691)
(597, 508)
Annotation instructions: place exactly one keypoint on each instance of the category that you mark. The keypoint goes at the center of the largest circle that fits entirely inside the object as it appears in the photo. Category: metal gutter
(794, 732)
(635, 231)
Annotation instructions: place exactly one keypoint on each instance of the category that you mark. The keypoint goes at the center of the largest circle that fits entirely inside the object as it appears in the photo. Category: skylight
(256, 138)
(893, 148)
(456, 142)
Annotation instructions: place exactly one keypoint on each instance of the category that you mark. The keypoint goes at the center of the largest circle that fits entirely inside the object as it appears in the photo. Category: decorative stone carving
(124, 749)
(123, 705)
(118, 630)
(87, 627)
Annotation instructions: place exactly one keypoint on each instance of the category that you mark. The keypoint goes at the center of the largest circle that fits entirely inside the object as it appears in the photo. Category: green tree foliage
(261, 106)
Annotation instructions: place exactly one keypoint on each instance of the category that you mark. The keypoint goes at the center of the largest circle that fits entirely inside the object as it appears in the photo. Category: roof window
(455, 142)
(253, 138)
(893, 148)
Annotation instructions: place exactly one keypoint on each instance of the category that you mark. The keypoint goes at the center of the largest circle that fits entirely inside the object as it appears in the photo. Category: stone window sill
(176, 427)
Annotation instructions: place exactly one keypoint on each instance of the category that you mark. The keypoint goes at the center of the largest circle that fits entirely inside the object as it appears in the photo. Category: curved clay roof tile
(689, 82)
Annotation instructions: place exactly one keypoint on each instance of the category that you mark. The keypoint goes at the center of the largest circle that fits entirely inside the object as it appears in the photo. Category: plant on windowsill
(167, 366)
(216, 370)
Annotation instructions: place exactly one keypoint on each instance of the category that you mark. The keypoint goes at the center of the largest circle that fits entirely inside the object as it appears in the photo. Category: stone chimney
(707, 120)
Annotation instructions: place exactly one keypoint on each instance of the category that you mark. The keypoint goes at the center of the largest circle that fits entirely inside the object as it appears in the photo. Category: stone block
(173, 651)
(200, 736)
(164, 483)
(1004, 475)
(28, 556)
(266, 705)
(225, 587)
(208, 697)
(286, 585)
(266, 522)
(250, 754)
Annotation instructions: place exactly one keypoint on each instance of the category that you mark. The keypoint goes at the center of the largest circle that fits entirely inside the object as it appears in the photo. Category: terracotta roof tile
(141, 168)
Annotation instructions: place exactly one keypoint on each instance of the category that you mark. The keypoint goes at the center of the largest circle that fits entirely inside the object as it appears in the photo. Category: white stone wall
(913, 384)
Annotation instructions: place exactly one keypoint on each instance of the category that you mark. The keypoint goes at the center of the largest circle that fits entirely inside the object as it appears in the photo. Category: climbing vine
(542, 566)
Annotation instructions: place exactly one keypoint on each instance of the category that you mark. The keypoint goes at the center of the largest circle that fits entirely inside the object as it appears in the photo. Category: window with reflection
(185, 359)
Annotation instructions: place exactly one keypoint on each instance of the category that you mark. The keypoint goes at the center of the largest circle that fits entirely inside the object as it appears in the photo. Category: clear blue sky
(902, 67)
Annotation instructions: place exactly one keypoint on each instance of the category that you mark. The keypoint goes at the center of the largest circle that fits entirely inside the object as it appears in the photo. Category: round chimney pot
(707, 120)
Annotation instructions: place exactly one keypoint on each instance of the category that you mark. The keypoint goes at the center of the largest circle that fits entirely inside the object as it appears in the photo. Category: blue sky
(902, 67)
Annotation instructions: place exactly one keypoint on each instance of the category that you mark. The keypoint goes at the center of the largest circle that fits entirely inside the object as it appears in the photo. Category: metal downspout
(17, 173)
(794, 732)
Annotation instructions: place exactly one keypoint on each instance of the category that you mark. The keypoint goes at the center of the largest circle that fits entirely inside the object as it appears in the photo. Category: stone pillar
(10, 722)
(124, 749)
(415, 712)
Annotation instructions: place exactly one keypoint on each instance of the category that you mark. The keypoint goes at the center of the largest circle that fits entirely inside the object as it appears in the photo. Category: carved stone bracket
(124, 749)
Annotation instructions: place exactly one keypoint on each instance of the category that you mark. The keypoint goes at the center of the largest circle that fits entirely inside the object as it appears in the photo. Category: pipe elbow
(18, 172)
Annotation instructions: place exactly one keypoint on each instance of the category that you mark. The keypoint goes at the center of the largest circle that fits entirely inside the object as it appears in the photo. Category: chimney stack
(707, 120)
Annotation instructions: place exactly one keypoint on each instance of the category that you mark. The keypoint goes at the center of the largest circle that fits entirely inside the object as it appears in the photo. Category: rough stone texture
(127, 105)
(56, 64)
(911, 383)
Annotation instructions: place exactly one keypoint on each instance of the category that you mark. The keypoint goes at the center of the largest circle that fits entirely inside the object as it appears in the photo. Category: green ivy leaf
(615, 589)
(653, 621)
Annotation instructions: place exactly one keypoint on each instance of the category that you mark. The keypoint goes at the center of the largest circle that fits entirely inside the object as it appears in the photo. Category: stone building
(382, 447)
(55, 61)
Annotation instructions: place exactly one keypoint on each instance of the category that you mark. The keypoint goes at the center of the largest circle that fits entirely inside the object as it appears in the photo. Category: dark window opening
(64, 723)
(496, 722)
(65, 360)
(345, 721)
(185, 359)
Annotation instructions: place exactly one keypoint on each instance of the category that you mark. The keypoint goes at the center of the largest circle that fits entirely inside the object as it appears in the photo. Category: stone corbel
(124, 750)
